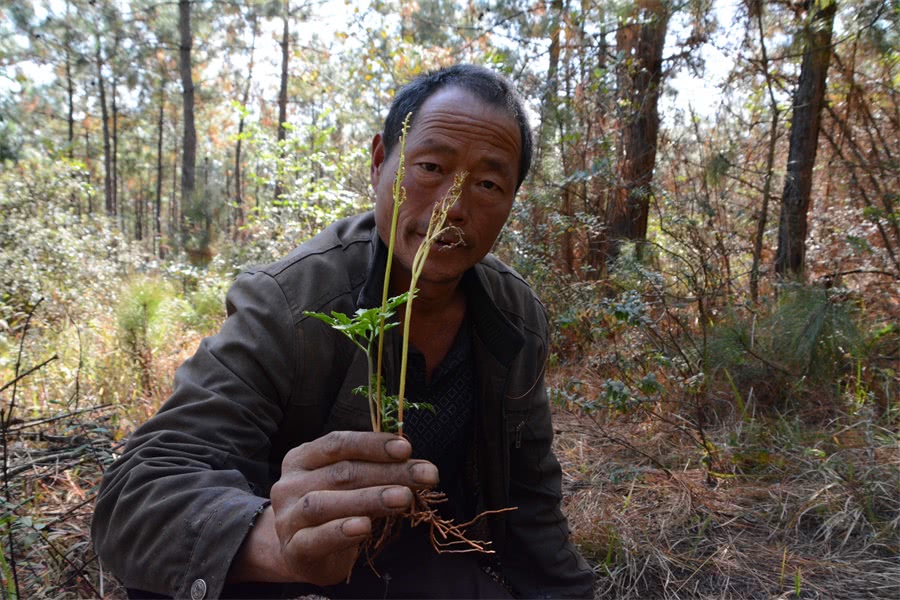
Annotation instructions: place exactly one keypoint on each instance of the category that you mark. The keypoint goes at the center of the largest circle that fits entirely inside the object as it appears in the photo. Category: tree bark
(238, 166)
(174, 206)
(770, 163)
(807, 109)
(282, 98)
(567, 206)
(552, 117)
(139, 210)
(115, 155)
(70, 102)
(87, 161)
(159, 167)
(596, 124)
(104, 116)
(70, 105)
(189, 143)
(114, 82)
(549, 112)
(640, 42)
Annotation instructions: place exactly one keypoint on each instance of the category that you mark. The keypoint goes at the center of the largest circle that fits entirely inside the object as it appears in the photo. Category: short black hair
(492, 88)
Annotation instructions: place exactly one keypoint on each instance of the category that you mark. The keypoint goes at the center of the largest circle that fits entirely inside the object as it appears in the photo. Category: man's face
(453, 132)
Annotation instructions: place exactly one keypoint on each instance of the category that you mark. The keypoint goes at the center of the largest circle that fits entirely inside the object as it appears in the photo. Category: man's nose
(459, 209)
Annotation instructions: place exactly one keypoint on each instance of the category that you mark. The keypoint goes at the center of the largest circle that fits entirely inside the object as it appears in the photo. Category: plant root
(446, 536)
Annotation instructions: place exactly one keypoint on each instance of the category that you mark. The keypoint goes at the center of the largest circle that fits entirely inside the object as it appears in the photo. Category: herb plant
(385, 410)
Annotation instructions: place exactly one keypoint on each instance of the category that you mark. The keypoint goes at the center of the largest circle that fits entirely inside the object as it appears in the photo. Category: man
(265, 409)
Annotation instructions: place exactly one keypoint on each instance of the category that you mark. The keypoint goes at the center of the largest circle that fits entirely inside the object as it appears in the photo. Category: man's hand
(323, 505)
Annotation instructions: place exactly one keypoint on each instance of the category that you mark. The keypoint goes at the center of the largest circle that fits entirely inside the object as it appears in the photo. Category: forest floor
(813, 512)
(783, 510)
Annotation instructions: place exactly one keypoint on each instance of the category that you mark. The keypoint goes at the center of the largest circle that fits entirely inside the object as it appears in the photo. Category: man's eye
(489, 185)
(430, 167)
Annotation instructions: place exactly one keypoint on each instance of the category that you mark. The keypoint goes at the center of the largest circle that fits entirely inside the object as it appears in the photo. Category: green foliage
(137, 314)
(363, 329)
(206, 306)
(48, 248)
(809, 346)
(9, 145)
(138, 310)
(320, 183)
(814, 330)
(390, 406)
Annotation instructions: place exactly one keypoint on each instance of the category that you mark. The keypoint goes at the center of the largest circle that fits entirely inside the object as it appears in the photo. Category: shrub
(49, 248)
(805, 350)
(137, 314)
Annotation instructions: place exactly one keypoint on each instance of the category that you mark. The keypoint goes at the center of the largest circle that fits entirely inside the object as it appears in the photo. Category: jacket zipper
(519, 434)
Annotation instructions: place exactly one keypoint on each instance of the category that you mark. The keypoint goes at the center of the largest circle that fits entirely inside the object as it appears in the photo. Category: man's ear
(378, 156)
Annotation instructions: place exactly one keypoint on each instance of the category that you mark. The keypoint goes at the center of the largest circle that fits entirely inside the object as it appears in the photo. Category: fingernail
(424, 473)
(355, 527)
(397, 448)
(396, 497)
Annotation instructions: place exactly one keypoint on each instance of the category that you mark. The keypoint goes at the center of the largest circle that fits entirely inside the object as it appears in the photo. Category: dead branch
(27, 373)
(28, 424)
(53, 458)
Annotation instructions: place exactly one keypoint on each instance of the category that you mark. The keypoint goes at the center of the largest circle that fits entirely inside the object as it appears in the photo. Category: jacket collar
(498, 334)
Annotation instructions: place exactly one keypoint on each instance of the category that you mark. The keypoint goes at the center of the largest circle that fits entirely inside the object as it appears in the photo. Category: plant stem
(436, 228)
(399, 195)
(374, 412)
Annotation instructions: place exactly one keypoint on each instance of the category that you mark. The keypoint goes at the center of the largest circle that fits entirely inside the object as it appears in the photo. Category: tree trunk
(770, 163)
(139, 211)
(70, 105)
(549, 101)
(174, 216)
(87, 162)
(157, 221)
(595, 122)
(104, 116)
(640, 43)
(550, 106)
(70, 101)
(189, 143)
(238, 167)
(115, 155)
(808, 101)
(282, 99)
(238, 191)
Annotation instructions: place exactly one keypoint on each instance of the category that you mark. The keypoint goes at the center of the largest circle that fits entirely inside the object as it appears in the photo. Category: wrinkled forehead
(456, 111)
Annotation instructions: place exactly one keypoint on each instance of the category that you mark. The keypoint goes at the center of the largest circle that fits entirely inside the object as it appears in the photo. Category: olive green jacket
(175, 507)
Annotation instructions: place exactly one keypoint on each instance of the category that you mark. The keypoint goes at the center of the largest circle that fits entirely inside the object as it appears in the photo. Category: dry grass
(816, 512)
(52, 477)
(802, 521)
(813, 513)
(60, 438)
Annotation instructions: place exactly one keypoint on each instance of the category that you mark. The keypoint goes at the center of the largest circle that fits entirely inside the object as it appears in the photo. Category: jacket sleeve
(540, 560)
(173, 510)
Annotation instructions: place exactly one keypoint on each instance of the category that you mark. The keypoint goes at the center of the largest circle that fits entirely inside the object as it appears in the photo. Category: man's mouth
(450, 239)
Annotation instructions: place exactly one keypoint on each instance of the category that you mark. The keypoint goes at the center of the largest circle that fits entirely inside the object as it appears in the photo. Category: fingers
(347, 445)
(319, 508)
(325, 555)
(320, 541)
(344, 460)
(355, 475)
(328, 538)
